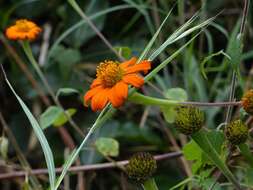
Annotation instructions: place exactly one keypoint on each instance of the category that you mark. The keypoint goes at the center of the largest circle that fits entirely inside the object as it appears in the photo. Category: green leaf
(176, 94)
(85, 32)
(206, 145)
(40, 135)
(66, 92)
(107, 146)
(66, 58)
(79, 24)
(125, 52)
(169, 112)
(236, 52)
(49, 116)
(62, 119)
(193, 152)
(55, 116)
(248, 177)
(4, 143)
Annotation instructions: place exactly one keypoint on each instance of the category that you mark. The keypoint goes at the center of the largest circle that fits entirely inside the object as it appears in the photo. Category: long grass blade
(39, 133)
(179, 34)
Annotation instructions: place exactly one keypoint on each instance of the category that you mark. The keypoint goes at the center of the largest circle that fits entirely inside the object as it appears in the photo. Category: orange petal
(99, 100)
(122, 89)
(126, 64)
(142, 66)
(95, 83)
(134, 80)
(115, 98)
(89, 94)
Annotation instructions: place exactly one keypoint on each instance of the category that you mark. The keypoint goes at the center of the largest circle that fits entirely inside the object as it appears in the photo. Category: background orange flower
(23, 30)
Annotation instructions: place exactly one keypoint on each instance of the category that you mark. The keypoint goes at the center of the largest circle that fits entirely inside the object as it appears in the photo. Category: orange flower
(111, 84)
(23, 30)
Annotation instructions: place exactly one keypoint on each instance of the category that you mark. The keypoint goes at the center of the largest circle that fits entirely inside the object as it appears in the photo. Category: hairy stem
(201, 139)
(150, 184)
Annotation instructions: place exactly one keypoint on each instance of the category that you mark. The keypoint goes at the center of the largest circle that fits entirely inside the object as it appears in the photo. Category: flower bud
(189, 120)
(141, 166)
(247, 102)
(236, 132)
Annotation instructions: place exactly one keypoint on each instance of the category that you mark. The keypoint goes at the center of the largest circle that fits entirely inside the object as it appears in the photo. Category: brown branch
(75, 169)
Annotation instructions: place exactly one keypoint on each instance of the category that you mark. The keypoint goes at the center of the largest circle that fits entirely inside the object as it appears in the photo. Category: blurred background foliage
(69, 50)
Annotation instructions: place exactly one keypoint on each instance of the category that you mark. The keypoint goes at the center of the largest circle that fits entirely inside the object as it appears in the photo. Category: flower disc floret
(109, 72)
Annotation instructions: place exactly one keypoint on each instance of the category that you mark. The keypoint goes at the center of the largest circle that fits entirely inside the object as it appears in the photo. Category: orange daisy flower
(111, 84)
(23, 30)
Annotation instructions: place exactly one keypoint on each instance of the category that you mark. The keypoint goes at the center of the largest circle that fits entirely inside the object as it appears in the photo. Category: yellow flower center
(23, 26)
(109, 72)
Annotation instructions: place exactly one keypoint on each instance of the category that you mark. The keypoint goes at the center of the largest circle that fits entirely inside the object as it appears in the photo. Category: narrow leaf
(40, 135)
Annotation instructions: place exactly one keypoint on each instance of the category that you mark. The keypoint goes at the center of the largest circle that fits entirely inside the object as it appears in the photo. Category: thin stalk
(27, 49)
(77, 8)
(103, 116)
(245, 150)
(201, 139)
(233, 82)
(150, 184)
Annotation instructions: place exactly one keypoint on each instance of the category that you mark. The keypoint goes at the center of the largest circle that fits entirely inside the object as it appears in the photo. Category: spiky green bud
(141, 166)
(247, 102)
(236, 132)
(189, 120)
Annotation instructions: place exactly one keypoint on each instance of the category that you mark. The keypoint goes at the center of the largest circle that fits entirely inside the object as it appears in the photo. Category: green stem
(102, 118)
(150, 184)
(201, 139)
(27, 49)
(147, 100)
(245, 150)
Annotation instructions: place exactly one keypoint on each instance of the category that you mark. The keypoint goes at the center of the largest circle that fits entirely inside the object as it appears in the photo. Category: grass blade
(177, 35)
(152, 41)
(39, 133)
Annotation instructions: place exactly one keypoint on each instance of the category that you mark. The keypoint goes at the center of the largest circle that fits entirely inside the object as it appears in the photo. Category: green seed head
(189, 120)
(141, 166)
(236, 132)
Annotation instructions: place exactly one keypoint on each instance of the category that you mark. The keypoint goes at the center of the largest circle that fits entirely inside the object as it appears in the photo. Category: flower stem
(147, 100)
(201, 139)
(138, 98)
(150, 184)
(27, 49)
(245, 150)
